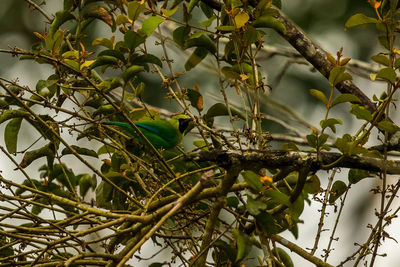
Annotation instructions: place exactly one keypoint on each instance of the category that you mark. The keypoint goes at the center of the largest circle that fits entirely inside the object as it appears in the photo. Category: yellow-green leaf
(387, 74)
(270, 22)
(345, 98)
(381, 59)
(208, 22)
(121, 19)
(241, 19)
(361, 112)
(134, 10)
(131, 72)
(170, 12)
(253, 180)
(319, 95)
(359, 20)
(388, 126)
(150, 24)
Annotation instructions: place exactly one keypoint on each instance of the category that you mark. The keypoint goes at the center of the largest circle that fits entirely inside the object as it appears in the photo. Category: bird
(162, 134)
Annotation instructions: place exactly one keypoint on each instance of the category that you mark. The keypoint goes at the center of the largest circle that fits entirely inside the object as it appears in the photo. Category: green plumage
(160, 133)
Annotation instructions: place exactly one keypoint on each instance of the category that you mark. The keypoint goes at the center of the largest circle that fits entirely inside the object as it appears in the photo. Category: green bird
(161, 133)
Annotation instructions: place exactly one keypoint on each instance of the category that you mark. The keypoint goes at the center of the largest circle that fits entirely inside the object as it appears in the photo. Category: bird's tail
(116, 123)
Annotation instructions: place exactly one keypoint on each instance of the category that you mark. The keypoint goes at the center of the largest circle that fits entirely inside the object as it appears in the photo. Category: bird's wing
(161, 128)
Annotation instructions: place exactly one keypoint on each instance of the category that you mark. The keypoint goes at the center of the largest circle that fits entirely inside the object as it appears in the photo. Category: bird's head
(182, 122)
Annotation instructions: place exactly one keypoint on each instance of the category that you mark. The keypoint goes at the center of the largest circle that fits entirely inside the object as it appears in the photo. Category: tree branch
(314, 54)
(257, 159)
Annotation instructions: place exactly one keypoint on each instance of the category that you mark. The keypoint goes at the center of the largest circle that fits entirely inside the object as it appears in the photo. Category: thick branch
(257, 159)
(314, 54)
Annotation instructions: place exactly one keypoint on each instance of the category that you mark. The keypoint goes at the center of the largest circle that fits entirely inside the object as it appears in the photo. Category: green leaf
(284, 257)
(381, 59)
(319, 95)
(133, 39)
(195, 58)
(191, 5)
(201, 39)
(30, 156)
(80, 151)
(200, 144)
(313, 185)
(180, 34)
(279, 197)
(343, 143)
(170, 12)
(255, 206)
(236, 3)
(267, 223)
(229, 251)
(207, 10)
(270, 22)
(147, 58)
(312, 140)
(232, 202)
(338, 188)
(105, 149)
(104, 60)
(397, 63)
(113, 53)
(359, 20)
(388, 126)
(356, 175)
(104, 193)
(387, 74)
(60, 18)
(296, 208)
(251, 35)
(85, 182)
(131, 72)
(47, 88)
(322, 139)
(11, 114)
(331, 123)
(343, 77)
(208, 22)
(150, 24)
(54, 41)
(134, 10)
(345, 98)
(383, 40)
(277, 3)
(253, 180)
(219, 109)
(361, 112)
(11, 134)
(335, 73)
(243, 244)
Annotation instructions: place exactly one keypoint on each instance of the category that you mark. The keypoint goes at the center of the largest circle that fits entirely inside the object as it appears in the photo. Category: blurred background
(324, 22)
